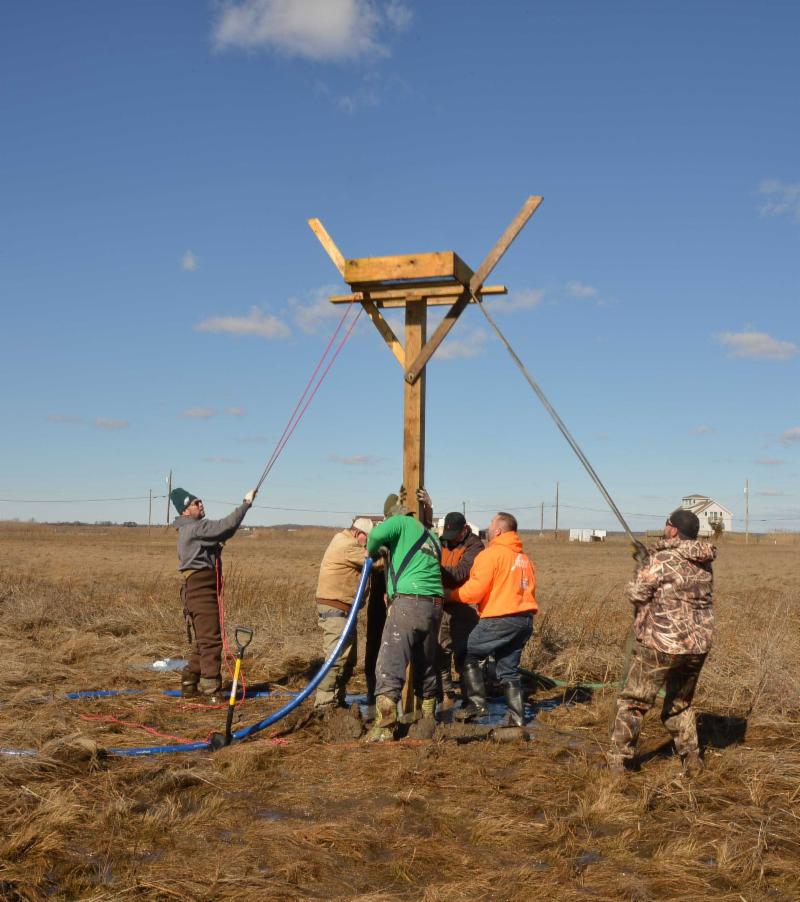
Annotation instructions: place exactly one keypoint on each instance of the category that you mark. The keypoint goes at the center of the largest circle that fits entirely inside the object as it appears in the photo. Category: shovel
(243, 638)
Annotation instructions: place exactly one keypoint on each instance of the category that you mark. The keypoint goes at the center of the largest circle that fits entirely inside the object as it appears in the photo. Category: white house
(587, 535)
(708, 512)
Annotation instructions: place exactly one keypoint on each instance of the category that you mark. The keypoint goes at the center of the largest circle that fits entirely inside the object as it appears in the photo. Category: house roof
(705, 503)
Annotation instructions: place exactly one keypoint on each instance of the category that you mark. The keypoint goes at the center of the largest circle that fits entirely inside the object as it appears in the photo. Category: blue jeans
(504, 637)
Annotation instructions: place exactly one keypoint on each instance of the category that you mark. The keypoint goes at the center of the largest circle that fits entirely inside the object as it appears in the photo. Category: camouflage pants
(649, 671)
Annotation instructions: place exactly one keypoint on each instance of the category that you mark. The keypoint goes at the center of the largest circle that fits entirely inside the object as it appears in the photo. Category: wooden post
(555, 531)
(541, 520)
(150, 512)
(747, 512)
(414, 406)
(413, 439)
(169, 492)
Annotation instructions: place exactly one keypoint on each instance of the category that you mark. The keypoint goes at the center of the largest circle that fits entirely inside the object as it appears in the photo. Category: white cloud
(703, 430)
(314, 314)
(189, 261)
(319, 30)
(469, 344)
(769, 462)
(199, 413)
(356, 460)
(108, 423)
(264, 325)
(756, 345)
(783, 198)
(518, 300)
(235, 411)
(791, 436)
(64, 418)
(580, 290)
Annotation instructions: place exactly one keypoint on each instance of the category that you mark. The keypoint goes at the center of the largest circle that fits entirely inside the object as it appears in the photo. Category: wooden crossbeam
(396, 296)
(491, 260)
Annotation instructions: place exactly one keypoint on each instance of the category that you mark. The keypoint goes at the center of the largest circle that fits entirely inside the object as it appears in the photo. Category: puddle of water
(163, 665)
(497, 709)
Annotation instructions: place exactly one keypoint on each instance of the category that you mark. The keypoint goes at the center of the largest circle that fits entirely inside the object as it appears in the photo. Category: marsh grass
(437, 821)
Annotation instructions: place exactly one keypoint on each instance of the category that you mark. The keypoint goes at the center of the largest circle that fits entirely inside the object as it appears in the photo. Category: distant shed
(587, 535)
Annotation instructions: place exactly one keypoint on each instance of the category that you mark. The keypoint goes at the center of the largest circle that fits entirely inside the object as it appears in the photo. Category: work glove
(423, 497)
(250, 497)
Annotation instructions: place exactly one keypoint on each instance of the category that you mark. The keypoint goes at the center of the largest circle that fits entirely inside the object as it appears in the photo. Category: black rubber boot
(474, 691)
(515, 701)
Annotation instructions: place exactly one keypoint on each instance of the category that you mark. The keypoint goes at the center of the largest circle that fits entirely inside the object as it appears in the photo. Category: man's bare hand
(250, 497)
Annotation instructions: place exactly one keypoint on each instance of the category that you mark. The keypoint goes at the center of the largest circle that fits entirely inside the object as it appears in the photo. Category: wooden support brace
(491, 260)
(328, 243)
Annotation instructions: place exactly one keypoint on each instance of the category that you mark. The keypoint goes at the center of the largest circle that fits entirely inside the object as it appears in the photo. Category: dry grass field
(295, 814)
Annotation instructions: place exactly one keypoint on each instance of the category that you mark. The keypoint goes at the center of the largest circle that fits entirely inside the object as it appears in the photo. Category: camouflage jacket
(672, 595)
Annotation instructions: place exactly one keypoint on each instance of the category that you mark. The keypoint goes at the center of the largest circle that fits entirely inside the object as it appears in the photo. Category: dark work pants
(199, 596)
(504, 637)
(409, 636)
(376, 618)
(458, 621)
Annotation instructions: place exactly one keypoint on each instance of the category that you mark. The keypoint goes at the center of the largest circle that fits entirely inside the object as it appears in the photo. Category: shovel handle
(243, 637)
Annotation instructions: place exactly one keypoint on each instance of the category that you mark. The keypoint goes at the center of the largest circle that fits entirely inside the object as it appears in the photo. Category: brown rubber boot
(189, 681)
(209, 691)
(385, 721)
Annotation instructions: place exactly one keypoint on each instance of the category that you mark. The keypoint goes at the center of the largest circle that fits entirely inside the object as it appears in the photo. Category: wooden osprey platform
(416, 282)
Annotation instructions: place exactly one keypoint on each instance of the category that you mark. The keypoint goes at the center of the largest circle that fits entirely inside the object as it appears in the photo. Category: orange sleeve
(479, 584)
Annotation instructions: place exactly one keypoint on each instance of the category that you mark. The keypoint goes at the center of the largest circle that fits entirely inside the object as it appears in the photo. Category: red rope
(313, 393)
(131, 724)
(284, 437)
(229, 656)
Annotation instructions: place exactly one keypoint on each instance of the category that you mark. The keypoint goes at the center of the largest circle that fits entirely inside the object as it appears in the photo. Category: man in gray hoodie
(199, 562)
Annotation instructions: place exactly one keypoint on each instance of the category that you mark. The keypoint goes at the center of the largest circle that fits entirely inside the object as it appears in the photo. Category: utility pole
(541, 520)
(169, 492)
(150, 512)
(464, 508)
(555, 531)
(747, 512)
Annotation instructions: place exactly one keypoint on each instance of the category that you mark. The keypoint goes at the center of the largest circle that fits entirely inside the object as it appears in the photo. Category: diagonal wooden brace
(328, 243)
(481, 274)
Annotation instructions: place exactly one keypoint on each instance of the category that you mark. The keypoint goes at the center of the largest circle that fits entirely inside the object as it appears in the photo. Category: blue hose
(245, 732)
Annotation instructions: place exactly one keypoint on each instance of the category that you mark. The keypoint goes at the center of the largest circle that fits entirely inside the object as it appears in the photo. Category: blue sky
(164, 301)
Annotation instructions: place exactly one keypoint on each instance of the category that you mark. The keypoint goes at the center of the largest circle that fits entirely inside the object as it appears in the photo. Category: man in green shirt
(414, 589)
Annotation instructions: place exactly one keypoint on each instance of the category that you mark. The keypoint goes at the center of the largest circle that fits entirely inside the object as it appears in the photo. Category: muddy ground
(305, 811)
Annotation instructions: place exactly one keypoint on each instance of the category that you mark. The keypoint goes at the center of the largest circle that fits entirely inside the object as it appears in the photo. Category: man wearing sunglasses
(673, 624)
(200, 564)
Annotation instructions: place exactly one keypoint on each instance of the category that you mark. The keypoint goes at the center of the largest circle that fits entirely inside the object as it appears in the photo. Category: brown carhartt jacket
(341, 568)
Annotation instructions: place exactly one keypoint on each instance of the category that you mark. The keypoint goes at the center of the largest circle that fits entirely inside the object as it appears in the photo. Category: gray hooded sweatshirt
(200, 541)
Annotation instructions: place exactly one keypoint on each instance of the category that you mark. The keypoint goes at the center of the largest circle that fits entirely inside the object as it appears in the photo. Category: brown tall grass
(305, 818)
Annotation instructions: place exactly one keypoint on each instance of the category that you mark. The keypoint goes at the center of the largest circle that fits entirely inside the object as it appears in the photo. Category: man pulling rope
(200, 564)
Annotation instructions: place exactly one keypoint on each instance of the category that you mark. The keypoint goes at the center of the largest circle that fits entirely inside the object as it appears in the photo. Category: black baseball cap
(687, 523)
(453, 524)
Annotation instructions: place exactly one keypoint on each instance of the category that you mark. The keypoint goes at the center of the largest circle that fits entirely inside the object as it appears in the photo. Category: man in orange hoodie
(502, 583)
